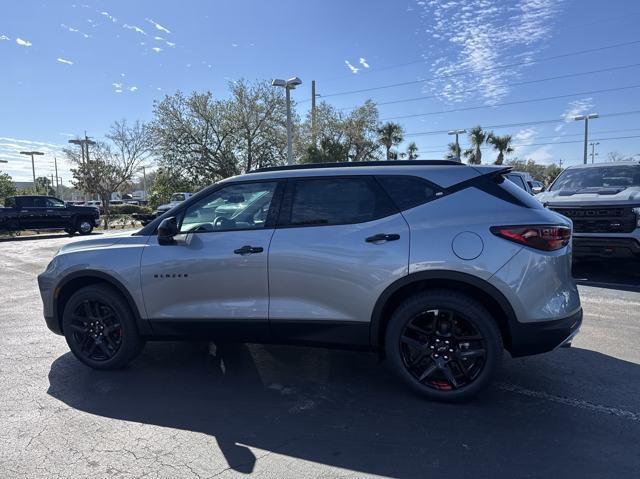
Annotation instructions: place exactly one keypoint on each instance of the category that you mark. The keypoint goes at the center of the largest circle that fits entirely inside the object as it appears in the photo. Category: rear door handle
(382, 237)
(245, 250)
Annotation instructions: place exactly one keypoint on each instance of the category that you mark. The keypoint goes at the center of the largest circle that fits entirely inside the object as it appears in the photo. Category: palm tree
(453, 152)
(502, 144)
(477, 136)
(390, 134)
(412, 151)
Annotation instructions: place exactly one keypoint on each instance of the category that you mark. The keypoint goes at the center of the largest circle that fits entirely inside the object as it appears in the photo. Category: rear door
(33, 212)
(340, 242)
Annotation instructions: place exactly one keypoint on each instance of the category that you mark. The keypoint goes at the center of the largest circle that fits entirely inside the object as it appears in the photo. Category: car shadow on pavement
(344, 409)
(612, 274)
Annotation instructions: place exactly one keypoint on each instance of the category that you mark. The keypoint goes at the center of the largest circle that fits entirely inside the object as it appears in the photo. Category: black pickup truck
(46, 213)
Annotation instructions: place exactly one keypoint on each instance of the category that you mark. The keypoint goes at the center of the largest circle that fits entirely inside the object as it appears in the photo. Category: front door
(340, 242)
(214, 280)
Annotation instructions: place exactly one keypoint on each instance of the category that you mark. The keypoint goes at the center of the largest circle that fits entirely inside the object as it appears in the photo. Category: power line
(527, 82)
(508, 103)
(495, 67)
(524, 123)
(577, 141)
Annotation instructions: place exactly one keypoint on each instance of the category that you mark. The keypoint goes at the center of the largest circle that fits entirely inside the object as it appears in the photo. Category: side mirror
(167, 229)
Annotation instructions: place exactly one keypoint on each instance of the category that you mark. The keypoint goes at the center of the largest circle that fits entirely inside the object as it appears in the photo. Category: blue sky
(73, 66)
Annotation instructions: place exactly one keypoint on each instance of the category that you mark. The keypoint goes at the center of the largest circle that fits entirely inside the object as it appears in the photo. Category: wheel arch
(73, 282)
(480, 290)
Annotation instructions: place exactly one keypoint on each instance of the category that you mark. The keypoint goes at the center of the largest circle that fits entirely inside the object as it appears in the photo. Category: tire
(443, 363)
(70, 231)
(100, 328)
(84, 226)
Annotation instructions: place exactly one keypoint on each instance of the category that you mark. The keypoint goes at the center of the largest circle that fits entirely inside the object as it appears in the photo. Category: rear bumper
(543, 336)
(605, 247)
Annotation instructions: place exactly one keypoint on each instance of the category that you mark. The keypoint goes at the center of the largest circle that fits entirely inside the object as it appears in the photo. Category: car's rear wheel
(444, 344)
(100, 328)
(84, 226)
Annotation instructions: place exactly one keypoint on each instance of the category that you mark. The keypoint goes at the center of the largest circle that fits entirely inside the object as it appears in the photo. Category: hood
(103, 241)
(609, 196)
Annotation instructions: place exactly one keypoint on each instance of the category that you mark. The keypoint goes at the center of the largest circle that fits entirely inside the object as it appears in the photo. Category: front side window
(54, 203)
(233, 207)
(334, 201)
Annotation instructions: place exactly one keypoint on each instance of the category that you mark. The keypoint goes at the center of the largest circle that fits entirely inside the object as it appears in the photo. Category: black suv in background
(46, 213)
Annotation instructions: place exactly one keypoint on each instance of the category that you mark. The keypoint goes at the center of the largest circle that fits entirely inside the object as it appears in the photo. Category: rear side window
(517, 179)
(514, 192)
(407, 191)
(335, 201)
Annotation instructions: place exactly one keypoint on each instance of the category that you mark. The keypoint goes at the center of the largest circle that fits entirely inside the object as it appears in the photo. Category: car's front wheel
(100, 328)
(444, 344)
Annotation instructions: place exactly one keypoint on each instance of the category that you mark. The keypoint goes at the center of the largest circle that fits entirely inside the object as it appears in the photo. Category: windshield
(596, 178)
(177, 197)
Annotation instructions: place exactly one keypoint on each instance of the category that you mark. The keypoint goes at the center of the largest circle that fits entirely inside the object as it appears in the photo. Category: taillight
(546, 238)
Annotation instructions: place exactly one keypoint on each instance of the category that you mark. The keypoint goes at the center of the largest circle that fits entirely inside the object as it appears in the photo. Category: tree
(112, 163)
(502, 144)
(412, 151)
(544, 173)
(389, 135)
(43, 186)
(258, 113)
(194, 137)
(361, 133)
(453, 152)
(7, 188)
(162, 183)
(329, 151)
(477, 137)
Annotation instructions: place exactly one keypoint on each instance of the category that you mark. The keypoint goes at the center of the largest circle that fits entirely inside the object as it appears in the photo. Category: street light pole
(33, 164)
(456, 133)
(288, 85)
(586, 119)
(593, 150)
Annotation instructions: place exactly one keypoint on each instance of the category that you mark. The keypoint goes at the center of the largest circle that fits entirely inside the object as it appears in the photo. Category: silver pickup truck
(603, 201)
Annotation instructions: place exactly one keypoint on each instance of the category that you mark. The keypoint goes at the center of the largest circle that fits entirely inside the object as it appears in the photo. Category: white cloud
(74, 30)
(575, 108)
(469, 40)
(4, 37)
(110, 17)
(118, 90)
(353, 69)
(158, 38)
(117, 85)
(158, 26)
(133, 88)
(524, 135)
(157, 49)
(170, 44)
(19, 166)
(542, 155)
(135, 28)
(23, 43)
(234, 45)
(364, 63)
(66, 62)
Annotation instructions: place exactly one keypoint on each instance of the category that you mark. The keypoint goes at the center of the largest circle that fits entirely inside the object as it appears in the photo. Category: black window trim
(439, 191)
(272, 215)
(284, 219)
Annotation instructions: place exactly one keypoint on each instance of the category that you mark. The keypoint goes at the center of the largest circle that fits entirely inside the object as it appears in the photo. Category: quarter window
(235, 207)
(334, 201)
(407, 191)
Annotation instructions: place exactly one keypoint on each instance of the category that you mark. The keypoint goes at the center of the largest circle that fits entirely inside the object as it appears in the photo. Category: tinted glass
(519, 194)
(334, 201)
(407, 191)
(517, 180)
(53, 203)
(39, 202)
(598, 177)
(234, 207)
(177, 197)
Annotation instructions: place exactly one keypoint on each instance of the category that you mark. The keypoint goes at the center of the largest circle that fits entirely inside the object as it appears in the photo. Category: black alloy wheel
(442, 350)
(96, 330)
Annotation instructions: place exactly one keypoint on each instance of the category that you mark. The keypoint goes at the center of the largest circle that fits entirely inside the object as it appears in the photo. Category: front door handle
(245, 250)
(382, 237)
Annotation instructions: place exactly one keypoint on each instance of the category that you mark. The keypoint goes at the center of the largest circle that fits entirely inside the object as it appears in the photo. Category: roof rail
(355, 164)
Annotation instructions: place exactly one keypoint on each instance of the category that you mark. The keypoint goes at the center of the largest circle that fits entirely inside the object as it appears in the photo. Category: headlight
(637, 212)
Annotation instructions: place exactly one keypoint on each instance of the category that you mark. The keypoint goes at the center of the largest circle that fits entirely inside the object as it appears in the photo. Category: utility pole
(144, 182)
(586, 119)
(33, 164)
(313, 112)
(55, 162)
(560, 162)
(456, 133)
(593, 150)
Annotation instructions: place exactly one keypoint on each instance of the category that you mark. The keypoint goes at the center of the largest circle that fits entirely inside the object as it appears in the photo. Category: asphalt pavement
(184, 410)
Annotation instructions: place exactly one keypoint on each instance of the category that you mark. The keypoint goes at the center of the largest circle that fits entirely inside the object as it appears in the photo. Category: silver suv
(436, 265)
